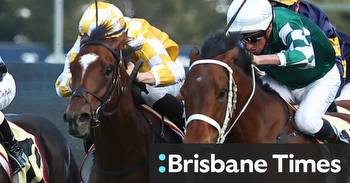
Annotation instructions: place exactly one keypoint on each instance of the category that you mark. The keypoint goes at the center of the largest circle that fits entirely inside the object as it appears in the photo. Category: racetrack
(36, 95)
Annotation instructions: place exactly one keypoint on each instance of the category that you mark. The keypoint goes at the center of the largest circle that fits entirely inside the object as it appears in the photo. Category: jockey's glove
(63, 83)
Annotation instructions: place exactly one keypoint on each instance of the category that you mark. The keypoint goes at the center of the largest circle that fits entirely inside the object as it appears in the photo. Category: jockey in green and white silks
(298, 59)
(291, 39)
(7, 94)
(339, 40)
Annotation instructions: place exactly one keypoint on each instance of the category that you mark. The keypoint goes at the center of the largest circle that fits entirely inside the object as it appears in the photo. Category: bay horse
(226, 102)
(57, 158)
(102, 106)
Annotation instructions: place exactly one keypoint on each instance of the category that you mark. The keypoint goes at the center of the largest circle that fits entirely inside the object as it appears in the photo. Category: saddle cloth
(34, 169)
(339, 123)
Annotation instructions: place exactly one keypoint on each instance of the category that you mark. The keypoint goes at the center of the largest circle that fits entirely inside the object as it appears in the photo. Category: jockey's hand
(256, 60)
(130, 68)
(142, 77)
(62, 85)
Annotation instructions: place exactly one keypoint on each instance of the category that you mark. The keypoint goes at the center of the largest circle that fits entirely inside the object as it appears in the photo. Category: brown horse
(58, 161)
(102, 106)
(233, 107)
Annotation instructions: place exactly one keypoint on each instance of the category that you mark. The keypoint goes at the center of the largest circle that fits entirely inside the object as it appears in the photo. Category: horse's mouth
(78, 133)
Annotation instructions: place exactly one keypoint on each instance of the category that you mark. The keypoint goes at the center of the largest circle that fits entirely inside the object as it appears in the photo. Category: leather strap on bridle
(128, 85)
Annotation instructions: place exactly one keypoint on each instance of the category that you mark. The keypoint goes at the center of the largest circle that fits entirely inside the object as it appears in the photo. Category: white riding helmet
(108, 14)
(255, 15)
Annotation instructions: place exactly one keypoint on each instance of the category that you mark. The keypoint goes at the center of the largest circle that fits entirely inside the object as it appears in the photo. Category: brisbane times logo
(176, 163)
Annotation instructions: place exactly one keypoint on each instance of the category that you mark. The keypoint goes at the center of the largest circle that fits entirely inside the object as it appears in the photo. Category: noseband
(231, 102)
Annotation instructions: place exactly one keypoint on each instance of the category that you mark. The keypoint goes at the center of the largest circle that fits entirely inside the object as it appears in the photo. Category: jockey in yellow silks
(160, 71)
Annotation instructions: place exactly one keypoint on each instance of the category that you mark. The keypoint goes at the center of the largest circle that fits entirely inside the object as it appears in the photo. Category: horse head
(97, 79)
(211, 80)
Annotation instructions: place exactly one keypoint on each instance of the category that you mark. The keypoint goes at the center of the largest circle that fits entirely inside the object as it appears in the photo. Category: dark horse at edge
(58, 160)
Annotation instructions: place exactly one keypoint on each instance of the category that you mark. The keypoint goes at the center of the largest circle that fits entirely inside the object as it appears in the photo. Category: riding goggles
(253, 38)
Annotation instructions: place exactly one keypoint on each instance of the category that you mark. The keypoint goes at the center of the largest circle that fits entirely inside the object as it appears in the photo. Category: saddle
(34, 168)
(339, 119)
(149, 112)
(155, 117)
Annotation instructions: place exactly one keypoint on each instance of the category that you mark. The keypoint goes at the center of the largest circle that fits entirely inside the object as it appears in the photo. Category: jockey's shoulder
(136, 23)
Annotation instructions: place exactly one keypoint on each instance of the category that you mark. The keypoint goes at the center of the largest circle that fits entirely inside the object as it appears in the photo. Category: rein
(231, 102)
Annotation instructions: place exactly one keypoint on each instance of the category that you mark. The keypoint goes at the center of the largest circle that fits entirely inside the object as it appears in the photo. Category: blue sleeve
(319, 17)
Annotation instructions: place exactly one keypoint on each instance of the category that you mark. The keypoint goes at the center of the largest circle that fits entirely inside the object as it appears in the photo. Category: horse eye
(108, 71)
(222, 93)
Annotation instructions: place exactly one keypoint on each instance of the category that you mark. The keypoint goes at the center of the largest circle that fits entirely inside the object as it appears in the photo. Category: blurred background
(35, 35)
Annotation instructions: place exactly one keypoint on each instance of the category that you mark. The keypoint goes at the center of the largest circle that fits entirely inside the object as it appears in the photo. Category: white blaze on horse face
(86, 60)
(199, 79)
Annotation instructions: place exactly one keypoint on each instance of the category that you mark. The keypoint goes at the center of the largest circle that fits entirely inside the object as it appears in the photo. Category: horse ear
(194, 55)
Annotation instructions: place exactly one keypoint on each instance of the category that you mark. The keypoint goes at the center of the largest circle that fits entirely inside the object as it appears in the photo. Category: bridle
(231, 102)
(82, 92)
(116, 85)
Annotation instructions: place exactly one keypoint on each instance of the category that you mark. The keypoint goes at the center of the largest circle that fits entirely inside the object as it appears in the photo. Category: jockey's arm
(146, 77)
(142, 77)
(271, 59)
(7, 88)
(161, 69)
(301, 52)
(64, 80)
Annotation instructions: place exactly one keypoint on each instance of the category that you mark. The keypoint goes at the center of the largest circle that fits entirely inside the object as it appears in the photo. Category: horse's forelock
(218, 43)
(100, 32)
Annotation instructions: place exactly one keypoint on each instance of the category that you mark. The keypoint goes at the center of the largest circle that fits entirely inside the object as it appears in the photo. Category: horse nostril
(65, 117)
(84, 117)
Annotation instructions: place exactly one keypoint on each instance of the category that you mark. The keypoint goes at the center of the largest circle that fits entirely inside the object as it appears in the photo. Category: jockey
(298, 59)
(7, 94)
(340, 41)
(162, 75)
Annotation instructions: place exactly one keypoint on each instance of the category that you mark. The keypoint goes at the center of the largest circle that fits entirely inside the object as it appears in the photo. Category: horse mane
(97, 34)
(100, 32)
(219, 43)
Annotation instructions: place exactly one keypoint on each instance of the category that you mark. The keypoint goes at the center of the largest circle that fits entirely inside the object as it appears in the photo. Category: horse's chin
(79, 132)
(80, 136)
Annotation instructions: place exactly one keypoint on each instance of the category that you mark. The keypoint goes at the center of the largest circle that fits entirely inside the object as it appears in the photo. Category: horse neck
(122, 139)
(263, 118)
